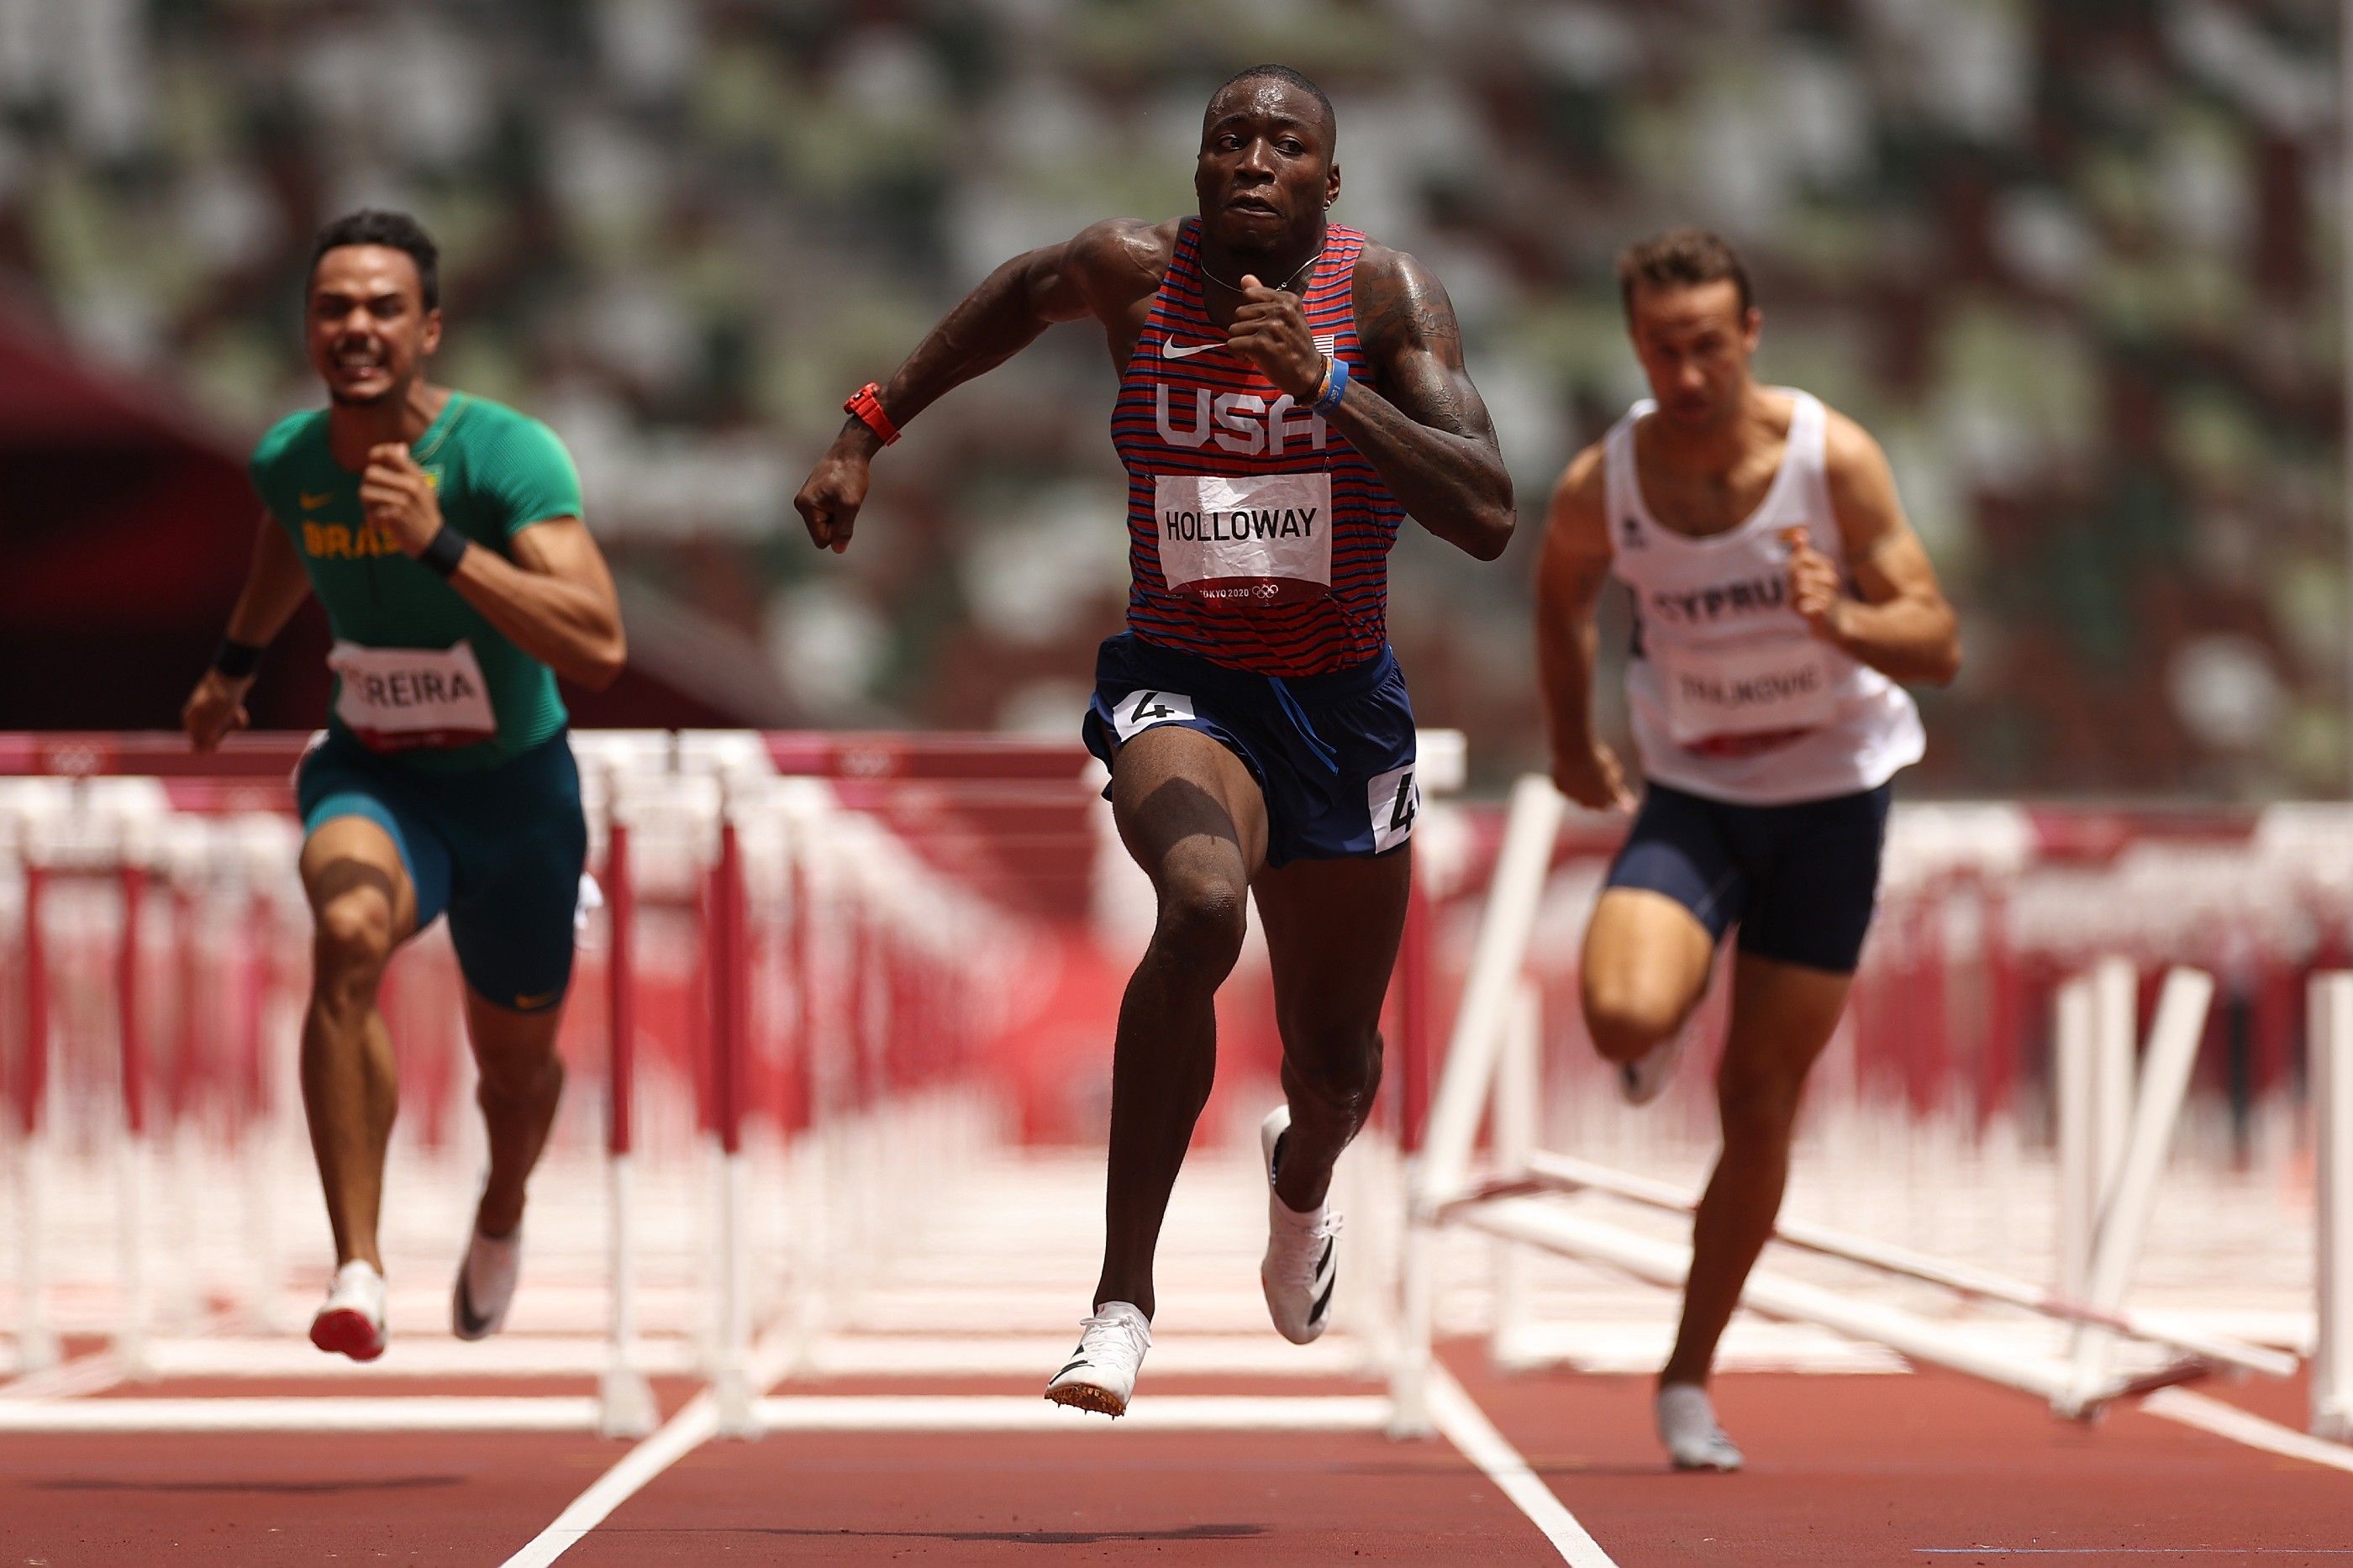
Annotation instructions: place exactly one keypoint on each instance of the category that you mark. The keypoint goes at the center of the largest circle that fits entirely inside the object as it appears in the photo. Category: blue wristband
(1335, 389)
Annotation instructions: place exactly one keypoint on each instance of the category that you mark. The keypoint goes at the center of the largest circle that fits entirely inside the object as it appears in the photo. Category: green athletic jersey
(496, 472)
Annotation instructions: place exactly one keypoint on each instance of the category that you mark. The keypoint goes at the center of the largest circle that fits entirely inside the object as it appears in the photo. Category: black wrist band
(237, 660)
(448, 548)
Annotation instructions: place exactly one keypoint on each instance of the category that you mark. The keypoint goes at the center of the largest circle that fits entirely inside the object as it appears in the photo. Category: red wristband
(869, 408)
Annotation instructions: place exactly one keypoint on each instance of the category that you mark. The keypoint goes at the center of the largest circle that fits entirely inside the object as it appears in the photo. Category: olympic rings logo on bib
(1264, 539)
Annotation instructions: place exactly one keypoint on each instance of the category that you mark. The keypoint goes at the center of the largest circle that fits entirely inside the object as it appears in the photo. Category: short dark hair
(1681, 258)
(395, 231)
(1289, 77)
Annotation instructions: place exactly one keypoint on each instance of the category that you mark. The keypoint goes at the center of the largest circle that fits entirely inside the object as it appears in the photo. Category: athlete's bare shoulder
(1861, 485)
(1578, 514)
(1848, 450)
(1401, 302)
(1407, 326)
(1583, 484)
(1575, 559)
(1121, 260)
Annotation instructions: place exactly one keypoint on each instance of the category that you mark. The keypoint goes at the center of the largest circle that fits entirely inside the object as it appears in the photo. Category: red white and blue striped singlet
(1208, 444)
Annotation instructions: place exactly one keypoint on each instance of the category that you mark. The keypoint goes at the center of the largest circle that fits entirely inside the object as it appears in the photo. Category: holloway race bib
(396, 698)
(1264, 539)
(1743, 689)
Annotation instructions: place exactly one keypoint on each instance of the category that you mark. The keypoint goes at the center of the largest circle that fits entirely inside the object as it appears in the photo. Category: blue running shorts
(1800, 881)
(1333, 754)
(500, 850)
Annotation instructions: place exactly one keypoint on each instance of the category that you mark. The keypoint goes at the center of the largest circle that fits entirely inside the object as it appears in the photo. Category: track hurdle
(2123, 1151)
(2331, 1045)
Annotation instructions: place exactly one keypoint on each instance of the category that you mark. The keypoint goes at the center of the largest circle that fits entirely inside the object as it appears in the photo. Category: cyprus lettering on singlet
(395, 699)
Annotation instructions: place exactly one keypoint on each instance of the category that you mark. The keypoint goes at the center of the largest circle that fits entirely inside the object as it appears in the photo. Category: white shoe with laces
(351, 1320)
(1101, 1375)
(486, 1284)
(1646, 1077)
(1687, 1426)
(1302, 1251)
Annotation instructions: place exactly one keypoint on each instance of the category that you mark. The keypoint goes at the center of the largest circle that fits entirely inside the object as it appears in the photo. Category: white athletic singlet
(1731, 696)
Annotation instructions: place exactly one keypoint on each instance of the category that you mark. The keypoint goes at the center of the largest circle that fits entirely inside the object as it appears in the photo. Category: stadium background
(2073, 263)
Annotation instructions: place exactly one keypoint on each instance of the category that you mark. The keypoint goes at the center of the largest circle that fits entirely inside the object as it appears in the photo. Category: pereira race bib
(1744, 691)
(395, 699)
(1264, 539)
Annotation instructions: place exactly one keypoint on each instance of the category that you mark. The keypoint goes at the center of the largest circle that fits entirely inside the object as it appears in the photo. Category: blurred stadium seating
(2073, 262)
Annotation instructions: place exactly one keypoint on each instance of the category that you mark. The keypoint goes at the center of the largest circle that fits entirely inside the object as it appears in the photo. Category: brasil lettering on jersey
(339, 542)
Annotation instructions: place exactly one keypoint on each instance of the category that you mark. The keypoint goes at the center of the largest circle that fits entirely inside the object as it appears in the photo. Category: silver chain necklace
(1237, 288)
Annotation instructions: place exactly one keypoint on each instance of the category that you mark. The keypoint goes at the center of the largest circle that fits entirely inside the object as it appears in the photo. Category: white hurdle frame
(2174, 1038)
(2115, 1149)
(2331, 1081)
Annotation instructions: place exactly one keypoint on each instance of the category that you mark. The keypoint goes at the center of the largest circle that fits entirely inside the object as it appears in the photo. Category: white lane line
(511, 1356)
(696, 1424)
(1467, 1427)
(325, 1413)
(1180, 1355)
(2224, 1420)
(680, 1435)
(84, 1374)
(1028, 1412)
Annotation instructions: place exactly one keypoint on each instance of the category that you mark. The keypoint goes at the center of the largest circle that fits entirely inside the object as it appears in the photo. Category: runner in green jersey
(443, 534)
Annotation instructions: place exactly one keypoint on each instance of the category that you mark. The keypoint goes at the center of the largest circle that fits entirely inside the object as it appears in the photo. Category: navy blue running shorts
(1800, 881)
(501, 849)
(1333, 754)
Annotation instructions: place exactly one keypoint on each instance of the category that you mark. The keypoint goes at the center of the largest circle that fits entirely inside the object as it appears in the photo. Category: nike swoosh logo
(311, 502)
(1168, 348)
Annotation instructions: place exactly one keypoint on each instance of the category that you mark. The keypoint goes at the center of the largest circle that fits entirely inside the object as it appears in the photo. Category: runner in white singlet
(1780, 599)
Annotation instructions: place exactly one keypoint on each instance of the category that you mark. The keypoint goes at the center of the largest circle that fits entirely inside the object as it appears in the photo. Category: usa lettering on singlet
(1258, 538)
(1729, 694)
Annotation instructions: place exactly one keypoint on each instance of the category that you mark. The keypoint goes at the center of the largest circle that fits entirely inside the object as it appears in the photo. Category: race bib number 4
(1264, 539)
(1140, 711)
(1394, 800)
(1746, 689)
(395, 699)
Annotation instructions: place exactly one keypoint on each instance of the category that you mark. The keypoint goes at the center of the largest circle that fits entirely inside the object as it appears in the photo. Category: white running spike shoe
(351, 1320)
(486, 1283)
(1687, 1426)
(1101, 1375)
(1646, 1077)
(1302, 1251)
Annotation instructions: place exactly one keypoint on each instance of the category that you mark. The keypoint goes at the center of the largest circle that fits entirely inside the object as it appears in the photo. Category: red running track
(1927, 1469)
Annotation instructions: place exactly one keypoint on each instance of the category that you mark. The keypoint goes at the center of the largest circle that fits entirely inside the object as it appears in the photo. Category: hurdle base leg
(625, 1403)
(1410, 1378)
(739, 1413)
(37, 1342)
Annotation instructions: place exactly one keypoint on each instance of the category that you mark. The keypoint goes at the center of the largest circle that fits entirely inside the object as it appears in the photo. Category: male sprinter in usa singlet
(1779, 596)
(442, 532)
(1288, 391)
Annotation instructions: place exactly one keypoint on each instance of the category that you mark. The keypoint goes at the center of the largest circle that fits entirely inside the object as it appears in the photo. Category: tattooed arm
(1425, 431)
(1569, 579)
(1102, 271)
